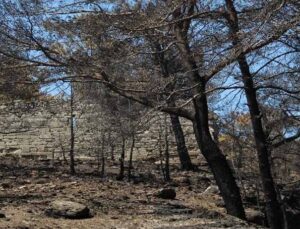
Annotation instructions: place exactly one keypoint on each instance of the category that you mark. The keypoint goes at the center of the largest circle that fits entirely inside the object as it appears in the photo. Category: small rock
(41, 181)
(68, 209)
(29, 211)
(6, 184)
(2, 215)
(166, 193)
(212, 189)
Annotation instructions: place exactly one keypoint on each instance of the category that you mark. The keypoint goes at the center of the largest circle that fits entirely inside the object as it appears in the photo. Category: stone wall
(43, 129)
(33, 128)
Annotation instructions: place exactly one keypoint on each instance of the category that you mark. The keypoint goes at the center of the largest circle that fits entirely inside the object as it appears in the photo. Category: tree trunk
(72, 137)
(112, 152)
(217, 161)
(274, 214)
(182, 151)
(102, 157)
(167, 154)
(161, 152)
(183, 154)
(273, 209)
(130, 157)
(122, 161)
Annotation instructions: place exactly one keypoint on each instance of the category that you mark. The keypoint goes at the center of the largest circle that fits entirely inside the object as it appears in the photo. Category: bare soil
(27, 187)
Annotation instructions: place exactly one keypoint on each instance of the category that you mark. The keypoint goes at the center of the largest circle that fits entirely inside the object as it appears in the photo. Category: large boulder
(68, 209)
(166, 193)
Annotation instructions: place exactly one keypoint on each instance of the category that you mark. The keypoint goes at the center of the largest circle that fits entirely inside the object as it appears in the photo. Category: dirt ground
(27, 188)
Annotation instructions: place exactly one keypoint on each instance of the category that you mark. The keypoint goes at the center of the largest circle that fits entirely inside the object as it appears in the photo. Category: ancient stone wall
(33, 128)
(43, 129)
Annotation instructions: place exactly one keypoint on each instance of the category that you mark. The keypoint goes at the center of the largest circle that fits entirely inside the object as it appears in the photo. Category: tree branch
(286, 140)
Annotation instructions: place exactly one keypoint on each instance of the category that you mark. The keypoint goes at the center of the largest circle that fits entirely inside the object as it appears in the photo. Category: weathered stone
(166, 193)
(68, 209)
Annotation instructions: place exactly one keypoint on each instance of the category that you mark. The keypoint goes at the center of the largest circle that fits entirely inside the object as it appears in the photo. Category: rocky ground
(28, 189)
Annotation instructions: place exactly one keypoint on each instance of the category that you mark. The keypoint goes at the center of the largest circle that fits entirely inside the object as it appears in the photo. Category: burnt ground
(27, 187)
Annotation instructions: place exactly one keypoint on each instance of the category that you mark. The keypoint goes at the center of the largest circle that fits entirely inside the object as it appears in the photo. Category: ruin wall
(43, 129)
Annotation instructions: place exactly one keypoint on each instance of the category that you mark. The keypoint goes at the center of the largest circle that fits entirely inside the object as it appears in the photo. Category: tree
(274, 211)
(16, 80)
(210, 41)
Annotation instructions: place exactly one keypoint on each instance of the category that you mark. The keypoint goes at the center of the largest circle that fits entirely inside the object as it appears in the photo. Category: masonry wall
(33, 128)
(43, 129)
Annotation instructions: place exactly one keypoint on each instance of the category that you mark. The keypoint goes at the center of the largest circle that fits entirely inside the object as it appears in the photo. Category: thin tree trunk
(102, 157)
(182, 151)
(72, 138)
(161, 152)
(167, 155)
(112, 147)
(112, 152)
(274, 213)
(122, 161)
(184, 157)
(130, 157)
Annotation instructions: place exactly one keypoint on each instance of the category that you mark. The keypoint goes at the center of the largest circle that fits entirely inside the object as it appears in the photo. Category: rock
(2, 215)
(68, 209)
(166, 193)
(6, 184)
(212, 189)
(256, 217)
(42, 181)
(173, 208)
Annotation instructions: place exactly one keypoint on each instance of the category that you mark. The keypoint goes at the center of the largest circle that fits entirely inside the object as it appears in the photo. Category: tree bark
(273, 209)
(184, 157)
